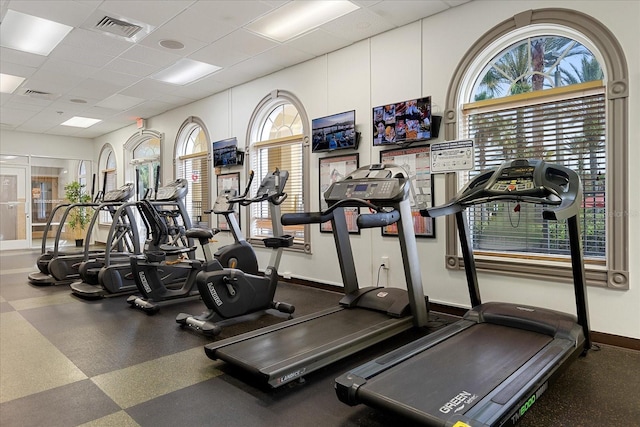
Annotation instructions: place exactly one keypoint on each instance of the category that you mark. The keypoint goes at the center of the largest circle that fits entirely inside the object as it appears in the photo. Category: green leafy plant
(79, 217)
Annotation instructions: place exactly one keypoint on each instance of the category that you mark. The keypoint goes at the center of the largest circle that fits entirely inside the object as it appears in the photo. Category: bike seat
(279, 242)
(200, 233)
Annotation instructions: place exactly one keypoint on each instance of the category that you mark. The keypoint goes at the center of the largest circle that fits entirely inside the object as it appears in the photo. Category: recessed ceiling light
(9, 83)
(171, 44)
(78, 101)
(297, 17)
(80, 122)
(185, 71)
(31, 34)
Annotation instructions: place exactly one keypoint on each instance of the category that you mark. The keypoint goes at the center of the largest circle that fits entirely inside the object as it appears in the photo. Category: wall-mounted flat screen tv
(225, 152)
(334, 132)
(402, 122)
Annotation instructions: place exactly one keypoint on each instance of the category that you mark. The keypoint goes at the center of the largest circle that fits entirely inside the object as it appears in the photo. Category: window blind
(195, 169)
(110, 184)
(567, 130)
(284, 154)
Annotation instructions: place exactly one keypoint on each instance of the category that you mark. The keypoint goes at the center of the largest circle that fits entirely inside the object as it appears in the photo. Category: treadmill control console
(173, 191)
(382, 189)
(376, 183)
(515, 178)
(121, 194)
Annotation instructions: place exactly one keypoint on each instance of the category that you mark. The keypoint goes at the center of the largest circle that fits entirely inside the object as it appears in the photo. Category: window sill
(595, 275)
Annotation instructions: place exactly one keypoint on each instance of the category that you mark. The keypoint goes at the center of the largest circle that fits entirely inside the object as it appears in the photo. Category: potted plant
(79, 217)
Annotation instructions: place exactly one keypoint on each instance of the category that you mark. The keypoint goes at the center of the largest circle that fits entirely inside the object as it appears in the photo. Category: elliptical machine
(231, 294)
(111, 275)
(147, 267)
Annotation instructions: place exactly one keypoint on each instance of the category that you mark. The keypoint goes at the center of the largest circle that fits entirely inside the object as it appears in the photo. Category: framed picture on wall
(334, 169)
(228, 181)
(417, 162)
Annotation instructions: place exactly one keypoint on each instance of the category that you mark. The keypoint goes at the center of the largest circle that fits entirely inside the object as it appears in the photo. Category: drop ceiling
(100, 75)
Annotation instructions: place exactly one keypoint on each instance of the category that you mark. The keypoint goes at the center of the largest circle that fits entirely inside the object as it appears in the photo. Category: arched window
(107, 166)
(548, 84)
(142, 155)
(82, 176)
(277, 138)
(192, 163)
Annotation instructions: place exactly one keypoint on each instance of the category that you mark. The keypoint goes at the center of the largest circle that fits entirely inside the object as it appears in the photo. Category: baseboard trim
(597, 337)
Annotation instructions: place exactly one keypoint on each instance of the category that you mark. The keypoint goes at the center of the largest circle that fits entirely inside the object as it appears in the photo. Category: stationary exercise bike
(147, 268)
(231, 294)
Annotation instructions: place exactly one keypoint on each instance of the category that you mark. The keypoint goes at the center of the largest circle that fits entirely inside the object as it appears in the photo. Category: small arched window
(193, 164)
(142, 156)
(107, 166)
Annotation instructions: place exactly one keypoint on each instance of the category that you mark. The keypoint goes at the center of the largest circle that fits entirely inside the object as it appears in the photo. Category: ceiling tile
(358, 25)
(147, 55)
(132, 68)
(318, 42)
(119, 102)
(66, 12)
(402, 12)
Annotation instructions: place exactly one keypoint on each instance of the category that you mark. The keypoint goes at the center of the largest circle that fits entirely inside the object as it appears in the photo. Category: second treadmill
(490, 367)
(289, 350)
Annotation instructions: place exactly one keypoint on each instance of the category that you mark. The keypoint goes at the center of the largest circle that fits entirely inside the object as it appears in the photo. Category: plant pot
(79, 243)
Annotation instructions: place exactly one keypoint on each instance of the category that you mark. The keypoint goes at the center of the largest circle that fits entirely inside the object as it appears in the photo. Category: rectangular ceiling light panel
(80, 122)
(31, 34)
(298, 17)
(9, 83)
(185, 71)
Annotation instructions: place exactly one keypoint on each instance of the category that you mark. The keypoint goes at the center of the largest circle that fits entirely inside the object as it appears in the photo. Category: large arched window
(192, 162)
(548, 84)
(277, 139)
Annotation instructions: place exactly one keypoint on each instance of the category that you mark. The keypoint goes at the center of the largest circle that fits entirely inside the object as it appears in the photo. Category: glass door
(14, 207)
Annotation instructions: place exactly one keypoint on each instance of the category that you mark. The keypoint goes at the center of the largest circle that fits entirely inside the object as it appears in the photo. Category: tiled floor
(68, 362)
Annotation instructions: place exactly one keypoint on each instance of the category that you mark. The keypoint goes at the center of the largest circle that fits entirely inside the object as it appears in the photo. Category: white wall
(23, 143)
(416, 60)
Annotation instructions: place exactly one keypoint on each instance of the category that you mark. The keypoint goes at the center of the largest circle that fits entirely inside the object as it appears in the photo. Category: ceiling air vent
(37, 94)
(117, 27)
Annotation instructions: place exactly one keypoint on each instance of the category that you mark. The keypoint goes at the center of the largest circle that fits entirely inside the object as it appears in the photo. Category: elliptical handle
(248, 187)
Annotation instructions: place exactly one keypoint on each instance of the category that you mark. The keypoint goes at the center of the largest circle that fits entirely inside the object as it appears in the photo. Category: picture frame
(417, 162)
(333, 169)
(228, 181)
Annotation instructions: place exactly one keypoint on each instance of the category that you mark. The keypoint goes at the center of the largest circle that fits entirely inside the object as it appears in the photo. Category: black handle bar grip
(249, 181)
(277, 199)
(305, 218)
(379, 219)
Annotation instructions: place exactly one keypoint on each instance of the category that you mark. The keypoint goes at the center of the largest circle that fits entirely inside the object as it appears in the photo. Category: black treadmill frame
(529, 381)
(296, 365)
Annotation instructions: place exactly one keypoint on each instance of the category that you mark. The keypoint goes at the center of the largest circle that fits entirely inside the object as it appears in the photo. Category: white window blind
(564, 127)
(195, 169)
(105, 216)
(284, 154)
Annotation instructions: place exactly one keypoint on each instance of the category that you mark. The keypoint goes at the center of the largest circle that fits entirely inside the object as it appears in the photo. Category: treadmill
(289, 350)
(490, 367)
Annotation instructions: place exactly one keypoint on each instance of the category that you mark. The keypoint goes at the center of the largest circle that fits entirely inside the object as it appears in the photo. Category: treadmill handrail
(300, 218)
(559, 188)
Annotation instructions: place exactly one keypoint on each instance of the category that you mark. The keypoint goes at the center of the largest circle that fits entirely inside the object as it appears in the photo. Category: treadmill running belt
(307, 339)
(469, 364)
